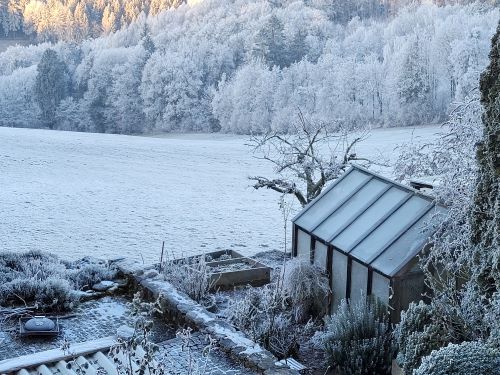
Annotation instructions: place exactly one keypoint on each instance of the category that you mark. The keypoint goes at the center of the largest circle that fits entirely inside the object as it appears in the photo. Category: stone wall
(183, 309)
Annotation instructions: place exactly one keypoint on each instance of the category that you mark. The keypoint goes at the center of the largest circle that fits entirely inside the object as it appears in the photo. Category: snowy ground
(78, 194)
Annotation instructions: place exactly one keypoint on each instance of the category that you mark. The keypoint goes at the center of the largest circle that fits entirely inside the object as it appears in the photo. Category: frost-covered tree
(359, 72)
(270, 44)
(19, 104)
(413, 85)
(51, 85)
(124, 108)
(462, 267)
(306, 160)
(241, 105)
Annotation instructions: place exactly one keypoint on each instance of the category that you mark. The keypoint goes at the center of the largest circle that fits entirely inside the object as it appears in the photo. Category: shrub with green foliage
(358, 338)
(417, 336)
(467, 358)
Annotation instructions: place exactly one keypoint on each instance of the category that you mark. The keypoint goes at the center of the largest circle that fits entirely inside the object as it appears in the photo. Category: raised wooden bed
(234, 271)
(214, 256)
(238, 271)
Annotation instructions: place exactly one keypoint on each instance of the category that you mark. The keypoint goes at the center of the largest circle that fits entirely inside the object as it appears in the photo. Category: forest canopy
(248, 67)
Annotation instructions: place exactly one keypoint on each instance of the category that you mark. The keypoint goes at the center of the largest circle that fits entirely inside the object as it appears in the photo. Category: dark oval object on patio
(39, 324)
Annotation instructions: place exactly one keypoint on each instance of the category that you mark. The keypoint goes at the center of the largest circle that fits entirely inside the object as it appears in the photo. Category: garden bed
(292, 335)
(238, 271)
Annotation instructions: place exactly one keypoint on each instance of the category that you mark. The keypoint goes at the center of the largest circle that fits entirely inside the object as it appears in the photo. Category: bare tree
(306, 160)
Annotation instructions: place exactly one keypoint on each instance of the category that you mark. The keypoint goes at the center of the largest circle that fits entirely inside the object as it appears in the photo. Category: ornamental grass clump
(191, 276)
(280, 314)
(358, 338)
(306, 289)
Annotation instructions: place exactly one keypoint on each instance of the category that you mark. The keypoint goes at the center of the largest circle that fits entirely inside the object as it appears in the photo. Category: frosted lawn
(78, 194)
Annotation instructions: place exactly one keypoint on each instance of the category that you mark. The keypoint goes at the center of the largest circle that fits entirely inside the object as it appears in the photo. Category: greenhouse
(366, 232)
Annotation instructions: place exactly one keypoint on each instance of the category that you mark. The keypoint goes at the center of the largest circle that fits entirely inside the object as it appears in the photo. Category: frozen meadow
(79, 194)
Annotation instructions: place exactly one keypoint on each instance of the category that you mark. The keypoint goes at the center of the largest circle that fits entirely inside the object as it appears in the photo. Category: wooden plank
(55, 355)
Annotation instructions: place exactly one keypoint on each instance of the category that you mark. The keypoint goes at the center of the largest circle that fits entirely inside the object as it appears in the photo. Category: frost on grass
(191, 276)
(306, 289)
(42, 281)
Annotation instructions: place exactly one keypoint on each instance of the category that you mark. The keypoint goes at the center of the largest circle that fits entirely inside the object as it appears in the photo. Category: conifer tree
(270, 43)
(486, 215)
(51, 85)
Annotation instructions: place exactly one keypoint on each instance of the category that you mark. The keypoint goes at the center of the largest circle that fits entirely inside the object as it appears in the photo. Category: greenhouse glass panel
(409, 244)
(381, 287)
(350, 209)
(359, 281)
(372, 245)
(320, 255)
(321, 208)
(303, 245)
(369, 218)
(339, 278)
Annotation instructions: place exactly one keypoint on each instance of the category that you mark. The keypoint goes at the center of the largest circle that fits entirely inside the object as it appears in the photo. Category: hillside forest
(240, 66)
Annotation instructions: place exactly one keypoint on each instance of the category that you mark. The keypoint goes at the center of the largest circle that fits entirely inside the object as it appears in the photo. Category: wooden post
(161, 258)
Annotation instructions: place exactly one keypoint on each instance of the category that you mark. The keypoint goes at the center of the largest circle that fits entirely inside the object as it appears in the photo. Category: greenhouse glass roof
(377, 221)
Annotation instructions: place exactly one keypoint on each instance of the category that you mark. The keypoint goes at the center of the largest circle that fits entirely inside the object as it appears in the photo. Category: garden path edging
(182, 307)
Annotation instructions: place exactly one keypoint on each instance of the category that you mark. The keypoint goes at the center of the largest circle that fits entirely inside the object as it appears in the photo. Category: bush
(256, 311)
(53, 293)
(358, 338)
(417, 336)
(461, 359)
(307, 289)
(42, 280)
(32, 264)
(18, 291)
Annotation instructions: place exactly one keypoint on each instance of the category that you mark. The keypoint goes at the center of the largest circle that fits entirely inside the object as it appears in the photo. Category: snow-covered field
(78, 194)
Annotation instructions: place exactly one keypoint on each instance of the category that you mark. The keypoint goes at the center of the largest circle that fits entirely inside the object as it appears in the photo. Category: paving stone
(92, 320)
(190, 355)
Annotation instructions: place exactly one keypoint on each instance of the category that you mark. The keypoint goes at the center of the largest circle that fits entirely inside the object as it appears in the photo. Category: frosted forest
(244, 137)
(245, 67)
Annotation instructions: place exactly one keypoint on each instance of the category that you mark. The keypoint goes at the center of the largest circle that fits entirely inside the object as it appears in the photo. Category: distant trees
(270, 43)
(51, 85)
(74, 20)
(252, 65)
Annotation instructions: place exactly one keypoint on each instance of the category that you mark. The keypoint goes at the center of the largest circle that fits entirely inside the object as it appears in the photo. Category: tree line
(248, 67)
(73, 20)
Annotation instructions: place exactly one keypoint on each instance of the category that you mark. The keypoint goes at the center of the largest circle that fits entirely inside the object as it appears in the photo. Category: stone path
(101, 318)
(92, 320)
(190, 355)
